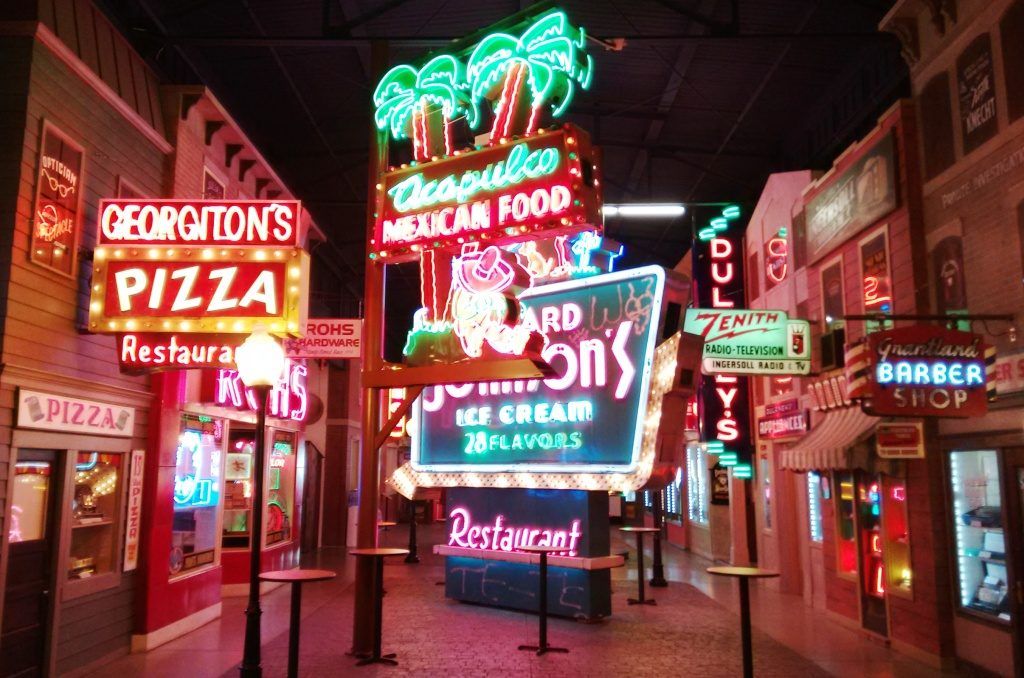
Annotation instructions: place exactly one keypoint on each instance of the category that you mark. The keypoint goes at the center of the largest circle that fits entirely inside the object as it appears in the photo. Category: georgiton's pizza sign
(750, 341)
(600, 336)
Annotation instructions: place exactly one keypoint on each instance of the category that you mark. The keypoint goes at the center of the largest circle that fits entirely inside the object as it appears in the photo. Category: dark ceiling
(699, 102)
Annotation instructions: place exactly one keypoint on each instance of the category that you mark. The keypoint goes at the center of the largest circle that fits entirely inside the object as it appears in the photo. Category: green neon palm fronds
(440, 82)
(487, 67)
(395, 99)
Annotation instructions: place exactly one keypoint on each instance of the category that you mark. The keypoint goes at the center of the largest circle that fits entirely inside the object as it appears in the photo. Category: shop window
(197, 486)
(846, 525)
(281, 488)
(279, 515)
(766, 491)
(57, 214)
(876, 278)
(1011, 28)
(937, 125)
(896, 530)
(673, 500)
(814, 507)
(869, 522)
(833, 306)
(29, 500)
(95, 506)
(978, 526)
(697, 484)
(213, 188)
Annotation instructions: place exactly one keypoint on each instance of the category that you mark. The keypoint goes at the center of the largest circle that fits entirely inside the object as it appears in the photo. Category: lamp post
(260, 361)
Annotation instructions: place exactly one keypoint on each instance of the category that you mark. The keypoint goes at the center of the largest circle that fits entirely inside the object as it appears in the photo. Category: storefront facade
(968, 79)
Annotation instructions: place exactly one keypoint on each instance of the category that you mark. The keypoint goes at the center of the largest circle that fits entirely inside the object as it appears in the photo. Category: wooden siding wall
(41, 342)
(88, 33)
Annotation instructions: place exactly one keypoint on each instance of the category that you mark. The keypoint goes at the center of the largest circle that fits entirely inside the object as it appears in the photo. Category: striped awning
(837, 441)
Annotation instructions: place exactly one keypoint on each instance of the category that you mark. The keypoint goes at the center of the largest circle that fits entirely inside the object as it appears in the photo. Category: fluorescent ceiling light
(645, 210)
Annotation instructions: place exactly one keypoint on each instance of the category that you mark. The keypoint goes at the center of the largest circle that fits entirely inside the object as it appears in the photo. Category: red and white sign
(160, 350)
(543, 183)
(783, 419)
(327, 339)
(288, 399)
(928, 371)
(133, 514)
(199, 290)
(1009, 373)
(900, 440)
(198, 223)
(51, 412)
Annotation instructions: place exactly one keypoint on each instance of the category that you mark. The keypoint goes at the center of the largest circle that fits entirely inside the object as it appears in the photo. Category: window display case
(975, 487)
(197, 490)
(281, 487)
(238, 488)
(95, 505)
(846, 525)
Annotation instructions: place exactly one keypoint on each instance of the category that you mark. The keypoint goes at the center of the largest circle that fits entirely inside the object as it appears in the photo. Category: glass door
(1014, 464)
(27, 598)
(874, 616)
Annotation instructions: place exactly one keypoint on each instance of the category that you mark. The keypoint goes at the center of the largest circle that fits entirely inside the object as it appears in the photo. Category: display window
(977, 503)
(766, 491)
(697, 484)
(95, 509)
(279, 515)
(896, 534)
(846, 525)
(673, 509)
(197, 491)
(869, 490)
(33, 483)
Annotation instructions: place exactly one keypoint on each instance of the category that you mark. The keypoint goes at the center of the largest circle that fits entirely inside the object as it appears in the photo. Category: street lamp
(260, 361)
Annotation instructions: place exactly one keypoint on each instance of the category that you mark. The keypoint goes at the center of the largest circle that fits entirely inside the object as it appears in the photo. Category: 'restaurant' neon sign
(501, 536)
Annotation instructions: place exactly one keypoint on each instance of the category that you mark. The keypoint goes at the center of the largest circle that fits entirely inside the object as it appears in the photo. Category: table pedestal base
(383, 659)
(645, 601)
(543, 650)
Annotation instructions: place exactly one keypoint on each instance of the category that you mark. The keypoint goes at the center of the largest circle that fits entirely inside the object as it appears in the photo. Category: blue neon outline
(645, 369)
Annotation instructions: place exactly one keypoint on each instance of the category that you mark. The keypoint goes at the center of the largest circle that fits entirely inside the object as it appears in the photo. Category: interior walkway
(693, 631)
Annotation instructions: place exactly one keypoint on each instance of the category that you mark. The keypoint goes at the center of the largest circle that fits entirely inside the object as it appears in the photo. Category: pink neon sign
(288, 398)
(499, 536)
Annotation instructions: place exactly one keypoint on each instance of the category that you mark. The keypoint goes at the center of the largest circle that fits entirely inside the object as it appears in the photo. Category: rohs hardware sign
(601, 333)
(749, 341)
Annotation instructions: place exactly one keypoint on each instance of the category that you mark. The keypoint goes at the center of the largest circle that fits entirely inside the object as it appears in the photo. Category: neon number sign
(501, 536)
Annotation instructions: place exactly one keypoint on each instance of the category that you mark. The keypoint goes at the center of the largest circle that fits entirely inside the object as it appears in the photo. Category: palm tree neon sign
(518, 76)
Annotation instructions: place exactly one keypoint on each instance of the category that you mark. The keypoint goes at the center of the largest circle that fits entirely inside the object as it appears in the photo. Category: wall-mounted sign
(723, 398)
(782, 420)
(198, 290)
(327, 339)
(55, 219)
(776, 259)
(288, 399)
(875, 273)
(749, 341)
(899, 440)
(159, 350)
(538, 185)
(133, 510)
(852, 200)
(74, 415)
(975, 85)
(200, 223)
(601, 333)
(1009, 373)
(928, 371)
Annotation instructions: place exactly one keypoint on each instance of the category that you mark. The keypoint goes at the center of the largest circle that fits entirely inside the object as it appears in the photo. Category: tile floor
(694, 631)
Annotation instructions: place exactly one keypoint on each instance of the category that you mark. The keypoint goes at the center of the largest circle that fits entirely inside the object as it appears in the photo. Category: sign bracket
(411, 394)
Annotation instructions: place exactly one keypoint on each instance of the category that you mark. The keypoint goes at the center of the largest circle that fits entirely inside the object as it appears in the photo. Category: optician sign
(601, 334)
(928, 371)
(540, 184)
(749, 341)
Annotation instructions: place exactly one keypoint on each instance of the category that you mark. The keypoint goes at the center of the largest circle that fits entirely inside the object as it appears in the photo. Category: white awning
(835, 442)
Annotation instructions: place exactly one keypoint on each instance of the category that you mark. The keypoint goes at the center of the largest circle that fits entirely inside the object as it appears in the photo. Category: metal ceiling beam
(345, 28)
(703, 17)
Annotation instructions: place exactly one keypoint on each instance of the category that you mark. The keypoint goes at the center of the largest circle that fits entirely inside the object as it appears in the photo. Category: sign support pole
(373, 326)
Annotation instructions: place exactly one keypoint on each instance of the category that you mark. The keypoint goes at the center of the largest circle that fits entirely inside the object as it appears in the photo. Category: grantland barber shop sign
(750, 341)
(928, 371)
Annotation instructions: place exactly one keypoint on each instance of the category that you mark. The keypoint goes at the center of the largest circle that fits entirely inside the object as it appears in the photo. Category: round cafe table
(296, 578)
(378, 556)
(640, 532)
(744, 575)
(542, 647)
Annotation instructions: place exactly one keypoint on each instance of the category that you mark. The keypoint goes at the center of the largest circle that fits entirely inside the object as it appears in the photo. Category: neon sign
(776, 258)
(740, 341)
(155, 350)
(288, 399)
(724, 406)
(196, 223)
(543, 183)
(600, 337)
(198, 290)
(928, 371)
(501, 536)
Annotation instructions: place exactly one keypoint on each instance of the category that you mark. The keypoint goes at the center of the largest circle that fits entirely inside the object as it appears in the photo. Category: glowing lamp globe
(260, 359)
